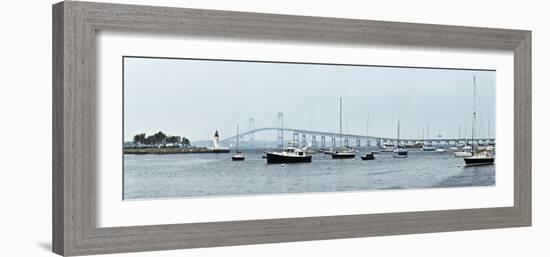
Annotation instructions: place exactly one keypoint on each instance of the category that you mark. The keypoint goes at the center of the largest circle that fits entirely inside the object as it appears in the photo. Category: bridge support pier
(333, 141)
(323, 143)
(304, 142)
(314, 141)
(295, 138)
(358, 143)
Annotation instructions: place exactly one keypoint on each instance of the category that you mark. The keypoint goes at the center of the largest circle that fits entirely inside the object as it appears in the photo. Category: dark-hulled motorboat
(288, 155)
(367, 157)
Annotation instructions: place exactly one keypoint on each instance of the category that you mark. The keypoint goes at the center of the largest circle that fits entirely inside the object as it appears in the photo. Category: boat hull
(277, 158)
(237, 158)
(479, 161)
(343, 156)
(367, 157)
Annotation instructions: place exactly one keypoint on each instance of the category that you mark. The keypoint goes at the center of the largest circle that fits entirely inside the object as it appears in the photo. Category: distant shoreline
(173, 150)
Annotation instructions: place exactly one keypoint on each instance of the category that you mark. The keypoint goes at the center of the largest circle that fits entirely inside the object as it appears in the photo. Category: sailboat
(342, 153)
(368, 156)
(400, 152)
(478, 157)
(429, 147)
(238, 156)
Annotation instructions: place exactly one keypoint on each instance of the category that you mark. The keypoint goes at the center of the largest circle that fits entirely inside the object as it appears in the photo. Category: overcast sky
(193, 98)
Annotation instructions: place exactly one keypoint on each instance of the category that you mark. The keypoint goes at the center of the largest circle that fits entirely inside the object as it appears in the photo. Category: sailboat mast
(474, 116)
(237, 139)
(340, 122)
(398, 121)
(428, 133)
(489, 129)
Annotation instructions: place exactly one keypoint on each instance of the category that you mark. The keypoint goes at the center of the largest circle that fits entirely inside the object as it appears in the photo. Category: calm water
(193, 175)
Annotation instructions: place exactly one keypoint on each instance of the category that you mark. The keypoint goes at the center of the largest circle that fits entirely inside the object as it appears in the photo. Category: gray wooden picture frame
(75, 25)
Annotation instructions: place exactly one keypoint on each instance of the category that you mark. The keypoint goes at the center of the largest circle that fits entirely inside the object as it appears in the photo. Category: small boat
(462, 154)
(375, 152)
(329, 152)
(344, 154)
(288, 155)
(415, 145)
(428, 148)
(238, 156)
(440, 150)
(367, 157)
(400, 152)
(387, 148)
(467, 148)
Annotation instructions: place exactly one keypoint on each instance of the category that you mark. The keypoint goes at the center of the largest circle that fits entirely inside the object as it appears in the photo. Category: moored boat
(387, 148)
(367, 157)
(479, 160)
(440, 150)
(288, 155)
(482, 156)
(400, 152)
(428, 148)
(238, 156)
(343, 154)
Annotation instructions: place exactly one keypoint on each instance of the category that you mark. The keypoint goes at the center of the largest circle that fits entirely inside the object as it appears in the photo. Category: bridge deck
(349, 136)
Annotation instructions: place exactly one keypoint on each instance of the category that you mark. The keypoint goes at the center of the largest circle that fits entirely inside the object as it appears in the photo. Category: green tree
(139, 138)
(185, 142)
(173, 139)
(160, 137)
(150, 140)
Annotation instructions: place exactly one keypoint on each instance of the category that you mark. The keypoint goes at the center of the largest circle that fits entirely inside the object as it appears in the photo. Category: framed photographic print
(183, 128)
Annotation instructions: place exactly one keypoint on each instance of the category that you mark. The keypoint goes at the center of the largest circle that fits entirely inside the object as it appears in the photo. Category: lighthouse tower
(216, 140)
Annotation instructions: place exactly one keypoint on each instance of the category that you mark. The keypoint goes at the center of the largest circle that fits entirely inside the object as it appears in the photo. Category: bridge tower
(323, 143)
(280, 130)
(304, 142)
(250, 128)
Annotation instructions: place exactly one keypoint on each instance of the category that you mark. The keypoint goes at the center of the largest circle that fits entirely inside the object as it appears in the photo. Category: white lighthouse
(216, 145)
(216, 141)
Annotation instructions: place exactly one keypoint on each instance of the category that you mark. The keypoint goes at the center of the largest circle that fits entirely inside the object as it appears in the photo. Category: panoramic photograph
(226, 128)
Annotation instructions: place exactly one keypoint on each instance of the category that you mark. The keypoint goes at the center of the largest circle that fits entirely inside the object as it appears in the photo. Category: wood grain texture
(74, 123)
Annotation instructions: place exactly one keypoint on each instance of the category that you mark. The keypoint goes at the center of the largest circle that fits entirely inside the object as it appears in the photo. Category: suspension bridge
(323, 139)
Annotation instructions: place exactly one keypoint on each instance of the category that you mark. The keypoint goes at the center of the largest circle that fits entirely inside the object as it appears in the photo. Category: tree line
(160, 138)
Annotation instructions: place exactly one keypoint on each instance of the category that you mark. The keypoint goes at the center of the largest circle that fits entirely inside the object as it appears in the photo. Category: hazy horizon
(194, 98)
